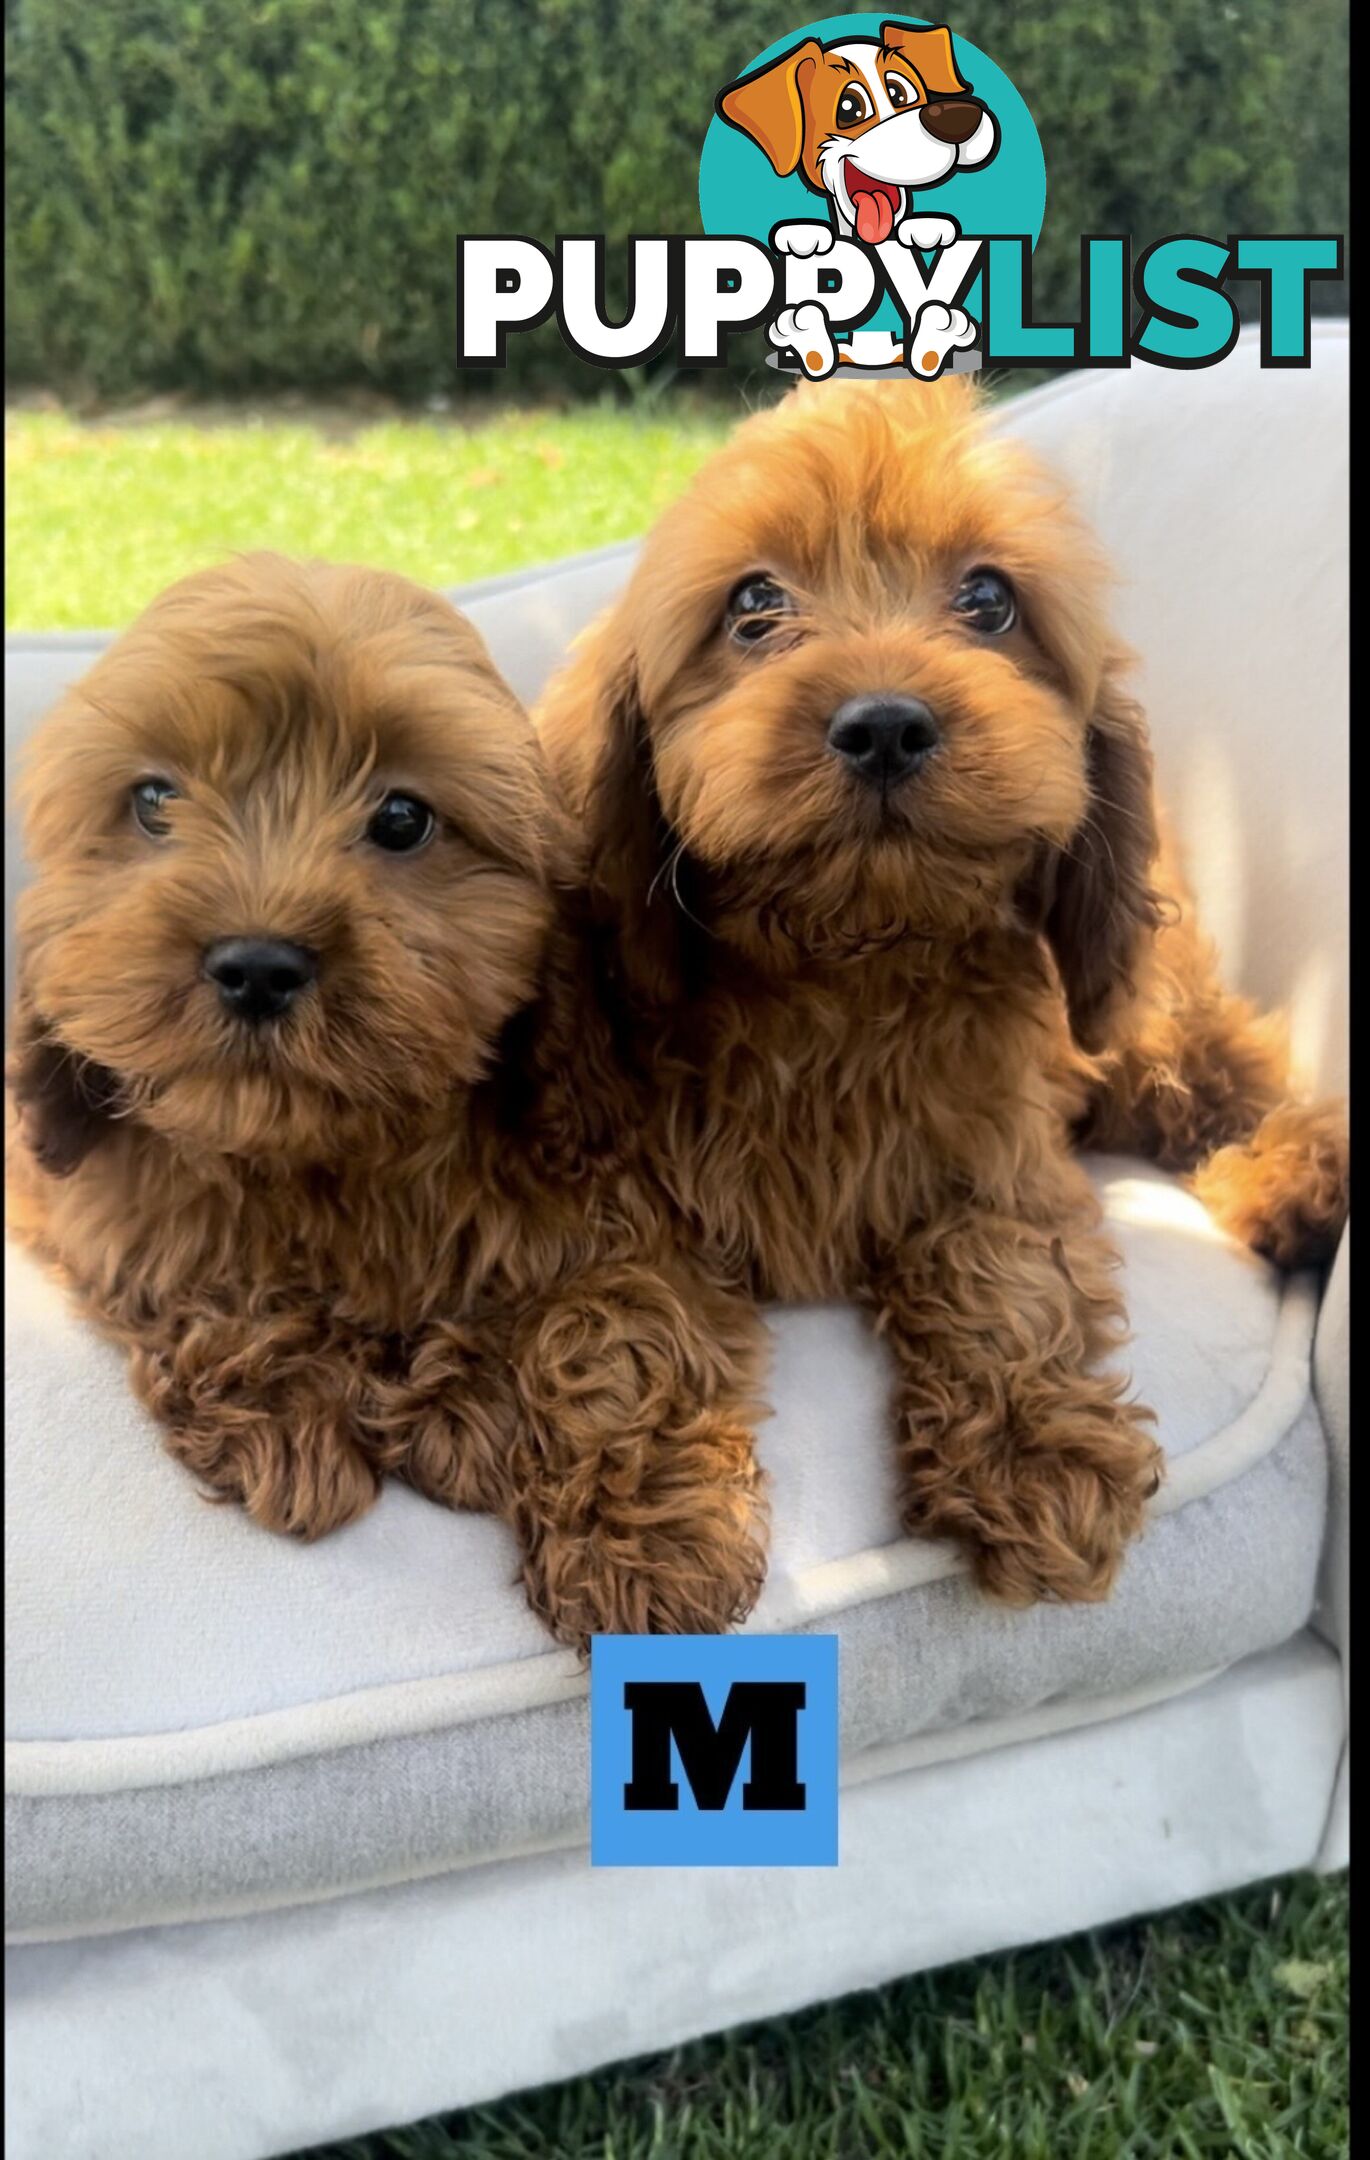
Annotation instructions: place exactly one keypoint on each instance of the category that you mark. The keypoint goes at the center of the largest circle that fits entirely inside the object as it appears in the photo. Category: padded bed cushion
(208, 1720)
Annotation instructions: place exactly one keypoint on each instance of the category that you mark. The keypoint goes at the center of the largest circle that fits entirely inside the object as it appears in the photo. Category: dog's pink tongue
(874, 216)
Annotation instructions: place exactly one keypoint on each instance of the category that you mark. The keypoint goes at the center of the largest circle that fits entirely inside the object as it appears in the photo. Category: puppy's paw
(675, 1557)
(805, 329)
(264, 1413)
(1047, 1518)
(926, 233)
(1075, 1514)
(294, 1463)
(1286, 1191)
(938, 332)
(807, 236)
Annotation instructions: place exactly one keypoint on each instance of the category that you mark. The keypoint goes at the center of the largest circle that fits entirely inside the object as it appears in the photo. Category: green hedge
(228, 194)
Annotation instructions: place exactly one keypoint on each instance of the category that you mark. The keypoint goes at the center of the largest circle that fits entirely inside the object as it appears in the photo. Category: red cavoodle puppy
(313, 1110)
(880, 921)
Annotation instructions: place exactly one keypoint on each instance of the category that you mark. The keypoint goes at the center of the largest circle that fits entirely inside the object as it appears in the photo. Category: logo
(863, 147)
(713, 1751)
(871, 189)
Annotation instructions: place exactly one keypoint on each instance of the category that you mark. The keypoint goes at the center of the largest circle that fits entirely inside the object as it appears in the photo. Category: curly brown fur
(355, 1240)
(868, 1025)
(1199, 1080)
(642, 1464)
(864, 1020)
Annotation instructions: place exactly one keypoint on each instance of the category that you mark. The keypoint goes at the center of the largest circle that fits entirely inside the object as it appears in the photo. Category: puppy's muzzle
(259, 978)
(952, 120)
(883, 738)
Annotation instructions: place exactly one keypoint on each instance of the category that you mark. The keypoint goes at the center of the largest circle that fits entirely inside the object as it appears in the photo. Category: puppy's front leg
(638, 1495)
(1010, 1441)
(265, 1410)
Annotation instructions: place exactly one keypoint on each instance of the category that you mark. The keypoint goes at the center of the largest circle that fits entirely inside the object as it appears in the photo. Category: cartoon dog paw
(805, 237)
(938, 332)
(927, 232)
(806, 328)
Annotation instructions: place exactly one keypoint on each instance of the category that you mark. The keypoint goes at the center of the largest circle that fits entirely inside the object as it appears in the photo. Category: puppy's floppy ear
(769, 105)
(1094, 900)
(65, 1102)
(630, 846)
(929, 52)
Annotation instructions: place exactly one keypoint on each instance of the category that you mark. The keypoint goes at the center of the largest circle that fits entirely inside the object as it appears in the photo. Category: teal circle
(740, 193)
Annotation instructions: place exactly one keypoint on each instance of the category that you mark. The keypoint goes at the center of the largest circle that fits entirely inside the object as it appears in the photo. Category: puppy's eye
(900, 92)
(984, 601)
(853, 105)
(149, 798)
(401, 824)
(755, 608)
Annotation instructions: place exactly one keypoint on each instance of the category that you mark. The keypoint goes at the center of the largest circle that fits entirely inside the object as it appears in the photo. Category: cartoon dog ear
(1095, 902)
(769, 106)
(631, 845)
(929, 53)
(65, 1102)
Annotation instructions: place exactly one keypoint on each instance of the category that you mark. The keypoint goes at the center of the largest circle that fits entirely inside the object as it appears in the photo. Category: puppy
(312, 1112)
(872, 858)
(865, 122)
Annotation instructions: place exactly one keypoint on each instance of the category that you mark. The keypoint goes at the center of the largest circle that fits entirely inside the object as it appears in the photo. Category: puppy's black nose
(259, 978)
(883, 738)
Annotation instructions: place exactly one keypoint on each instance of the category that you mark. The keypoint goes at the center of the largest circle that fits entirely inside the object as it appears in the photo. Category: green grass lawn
(1216, 2031)
(102, 514)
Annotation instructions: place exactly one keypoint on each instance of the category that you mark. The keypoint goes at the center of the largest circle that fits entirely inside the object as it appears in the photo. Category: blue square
(713, 1751)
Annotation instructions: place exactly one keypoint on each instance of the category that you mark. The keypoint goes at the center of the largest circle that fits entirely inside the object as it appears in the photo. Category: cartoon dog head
(865, 120)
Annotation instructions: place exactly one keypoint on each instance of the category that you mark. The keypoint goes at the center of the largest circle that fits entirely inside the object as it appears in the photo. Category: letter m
(766, 1712)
